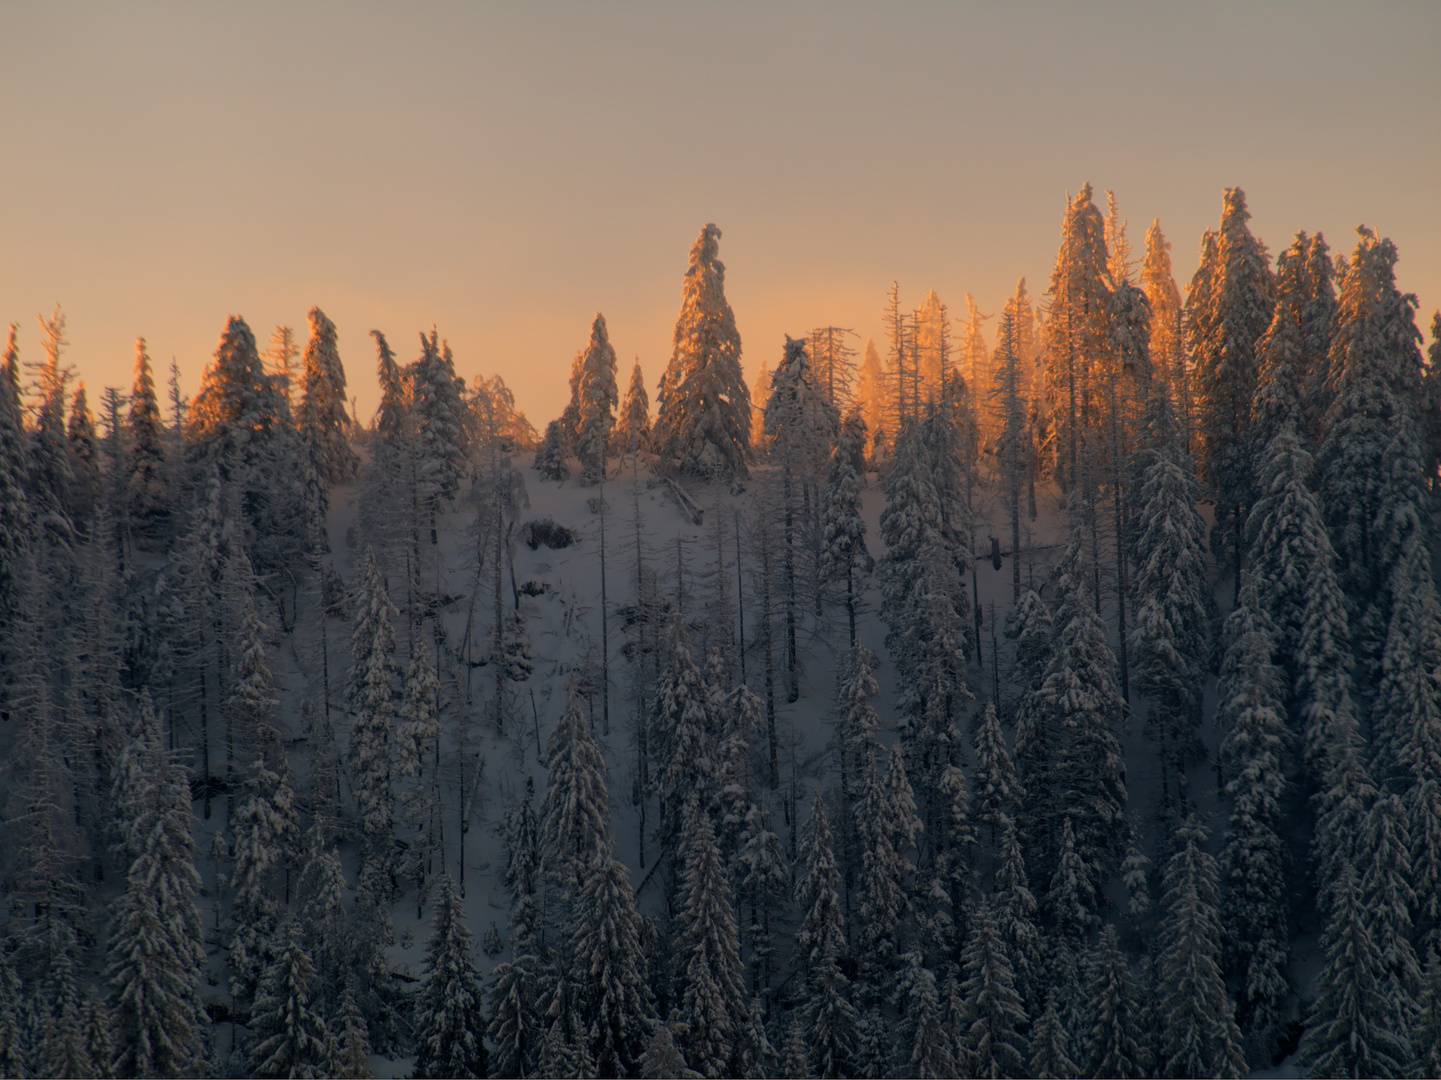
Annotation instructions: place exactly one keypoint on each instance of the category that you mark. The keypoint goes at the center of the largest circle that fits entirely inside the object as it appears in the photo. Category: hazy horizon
(503, 172)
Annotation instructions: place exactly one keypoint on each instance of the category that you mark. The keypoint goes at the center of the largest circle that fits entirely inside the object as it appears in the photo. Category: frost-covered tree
(1255, 753)
(1389, 898)
(1229, 306)
(843, 530)
(516, 1024)
(442, 438)
(1080, 704)
(703, 420)
(1426, 1032)
(14, 506)
(831, 1020)
(156, 949)
(1114, 1041)
(928, 1045)
(1351, 1030)
(550, 459)
(148, 503)
(598, 396)
(1015, 451)
(372, 696)
(1172, 609)
(997, 791)
(1014, 909)
(992, 1038)
(449, 1025)
(1287, 537)
(711, 1009)
(1364, 485)
(889, 829)
(576, 812)
(1198, 1034)
(682, 736)
(323, 422)
(416, 765)
(1076, 333)
(291, 1038)
(1168, 371)
(617, 1007)
(632, 426)
(265, 828)
(1050, 1046)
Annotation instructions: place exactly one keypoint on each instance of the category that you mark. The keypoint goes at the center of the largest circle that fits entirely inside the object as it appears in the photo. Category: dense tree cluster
(283, 716)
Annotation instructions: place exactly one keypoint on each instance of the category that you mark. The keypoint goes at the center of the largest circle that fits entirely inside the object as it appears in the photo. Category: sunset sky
(504, 171)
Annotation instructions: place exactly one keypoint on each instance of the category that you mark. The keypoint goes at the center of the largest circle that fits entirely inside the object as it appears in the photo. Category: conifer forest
(1051, 691)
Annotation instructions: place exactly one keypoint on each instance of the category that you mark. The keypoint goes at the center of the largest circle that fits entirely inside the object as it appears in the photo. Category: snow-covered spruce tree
(1014, 909)
(682, 737)
(1351, 1029)
(156, 949)
(324, 924)
(372, 698)
(1198, 1034)
(1113, 1043)
(616, 1009)
(800, 426)
(925, 606)
(84, 450)
(516, 1028)
(888, 829)
(1076, 334)
(1015, 453)
(992, 1040)
(449, 1026)
(14, 507)
(1172, 608)
(1255, 750)
(997, 791)
(1318, 322)
(1050, 1046)
(1287, 538)
(1375, 365)
(240, 420)
(550, 459)
(148, 503)
(1284, 369)
(350, 1042)
(576, 812)
(703, 420)
(830, 1018)
(291, 1038)
(1230, 308)
(1168, 371)
(1425, 1033)
(12, 1034)
(1389, 898)
(843, 531)
(632, 425)
(442, 438)
(871, 389)
(598, 398)
(1080, 704)
(711, 1008)
(323, 422)
(265, 828)
(1406, 718)
(928, 1045)
(565, 1052)
(416, 766)
(1409, 713)
(250, 722)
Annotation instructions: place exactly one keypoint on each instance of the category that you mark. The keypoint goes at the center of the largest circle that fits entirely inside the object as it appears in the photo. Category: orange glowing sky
(504, 171)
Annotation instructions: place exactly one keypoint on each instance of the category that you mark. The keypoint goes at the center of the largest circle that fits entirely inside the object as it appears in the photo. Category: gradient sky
(505, 171)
